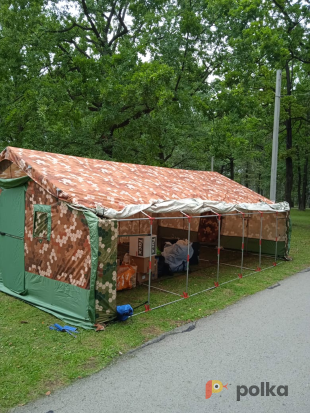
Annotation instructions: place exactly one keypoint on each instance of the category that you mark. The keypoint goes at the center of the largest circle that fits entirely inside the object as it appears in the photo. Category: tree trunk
(247, 175)
(304, 186)
(289, 141)
(222, 169)
(299, 180)
(232, 169)
(259, 189)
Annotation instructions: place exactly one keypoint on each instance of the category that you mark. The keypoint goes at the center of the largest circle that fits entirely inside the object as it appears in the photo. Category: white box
(140, 246)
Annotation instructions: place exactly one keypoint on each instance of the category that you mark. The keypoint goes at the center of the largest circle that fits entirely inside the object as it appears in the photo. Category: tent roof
(119, 190)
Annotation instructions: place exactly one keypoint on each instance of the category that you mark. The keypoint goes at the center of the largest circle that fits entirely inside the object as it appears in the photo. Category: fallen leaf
(47, 393)
(100, 327)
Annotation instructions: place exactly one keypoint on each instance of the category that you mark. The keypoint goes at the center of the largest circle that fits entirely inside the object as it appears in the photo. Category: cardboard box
(142, 264)
(144, 278)
(139, 246)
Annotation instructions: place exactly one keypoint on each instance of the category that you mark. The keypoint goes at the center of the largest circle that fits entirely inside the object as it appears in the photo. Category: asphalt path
(262, 338)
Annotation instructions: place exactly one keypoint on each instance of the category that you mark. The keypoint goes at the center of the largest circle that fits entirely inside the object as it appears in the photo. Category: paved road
(263, 338)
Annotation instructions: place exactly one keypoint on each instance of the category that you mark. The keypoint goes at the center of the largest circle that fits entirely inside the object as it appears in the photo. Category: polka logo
(214, 386)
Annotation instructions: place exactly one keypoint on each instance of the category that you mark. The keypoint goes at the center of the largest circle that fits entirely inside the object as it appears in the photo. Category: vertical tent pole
(242, 246)
(188, 241)
(150, 264)
(276, 247)
(259, 268)
(147, 306)
(218, 250)
(185, 294)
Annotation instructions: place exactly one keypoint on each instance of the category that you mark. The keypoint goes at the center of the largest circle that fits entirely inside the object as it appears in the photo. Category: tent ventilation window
(42, 222)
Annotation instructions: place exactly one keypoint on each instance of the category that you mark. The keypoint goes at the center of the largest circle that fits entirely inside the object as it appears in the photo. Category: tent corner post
(151, 219)
(218, 248)
(259, 268)
(276, 246)
(185, 294)
(242, 245)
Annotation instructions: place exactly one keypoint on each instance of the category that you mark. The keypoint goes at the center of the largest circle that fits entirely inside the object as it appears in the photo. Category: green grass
(35, 360)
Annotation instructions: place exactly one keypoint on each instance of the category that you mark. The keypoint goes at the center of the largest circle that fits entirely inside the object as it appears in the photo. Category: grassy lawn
(35, 360)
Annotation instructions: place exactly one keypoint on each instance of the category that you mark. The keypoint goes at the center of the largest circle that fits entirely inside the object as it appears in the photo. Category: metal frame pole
(147, 306)
(218, 250)
(192, 216)
(150, 264)
(202, 291)
(242, 247)
(276, 247)
(259, 268)
(185, 294)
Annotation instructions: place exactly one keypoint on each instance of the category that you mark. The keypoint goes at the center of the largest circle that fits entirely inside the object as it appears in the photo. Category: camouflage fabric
(105, 294)
(9, 170)
(92, 182)
(67, 256)
(208, 230)
(136, 227)
(181, 223)
(232, 226)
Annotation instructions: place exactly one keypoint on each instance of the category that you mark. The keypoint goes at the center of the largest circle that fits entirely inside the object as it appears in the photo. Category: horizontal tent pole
(247, 252)
(161, 289)
(195, 216)
(134, 235)
(228, 265)
(237, 266)
(203, 291)
(163, 305)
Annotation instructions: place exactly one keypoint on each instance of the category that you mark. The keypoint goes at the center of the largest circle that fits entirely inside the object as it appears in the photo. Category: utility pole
(212, 162)
(274, 162)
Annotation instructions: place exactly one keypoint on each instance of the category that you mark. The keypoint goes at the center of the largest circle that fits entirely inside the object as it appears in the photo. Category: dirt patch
(151, 331)
(91, 364)
(227, 292)
(177, 323)
(52, 385)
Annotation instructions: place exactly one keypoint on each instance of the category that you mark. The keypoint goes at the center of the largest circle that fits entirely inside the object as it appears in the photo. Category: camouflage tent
(60, 218)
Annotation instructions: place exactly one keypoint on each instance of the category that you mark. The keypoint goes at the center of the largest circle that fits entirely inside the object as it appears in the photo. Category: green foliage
(162, 82)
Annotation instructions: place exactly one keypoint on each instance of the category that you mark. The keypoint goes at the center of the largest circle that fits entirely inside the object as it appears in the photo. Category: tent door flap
(12, 227)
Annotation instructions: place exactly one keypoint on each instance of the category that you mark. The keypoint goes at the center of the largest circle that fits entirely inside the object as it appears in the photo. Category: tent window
(42, 222)
(40, 225)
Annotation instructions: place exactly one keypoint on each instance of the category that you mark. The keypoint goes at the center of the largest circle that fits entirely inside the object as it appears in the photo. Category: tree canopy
(161, 82)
